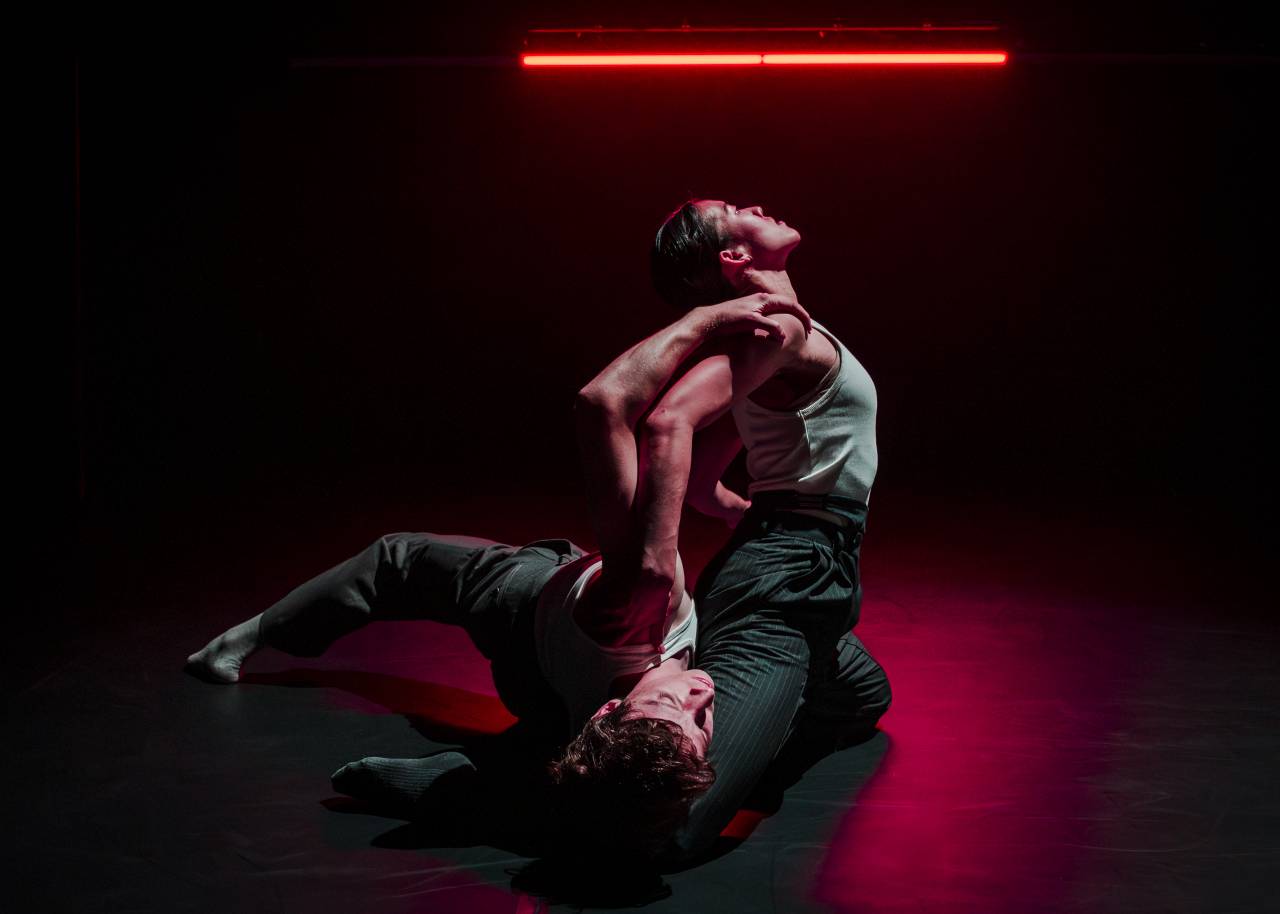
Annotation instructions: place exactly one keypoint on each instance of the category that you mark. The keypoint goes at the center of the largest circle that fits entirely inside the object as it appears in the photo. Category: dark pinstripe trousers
(489, 589)
(775, 609)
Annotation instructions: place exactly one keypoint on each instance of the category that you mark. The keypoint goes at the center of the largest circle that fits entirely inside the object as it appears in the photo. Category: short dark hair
(684, 263)
(624, 786)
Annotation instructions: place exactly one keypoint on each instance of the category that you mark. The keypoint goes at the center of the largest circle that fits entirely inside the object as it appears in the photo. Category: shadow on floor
(504, 804)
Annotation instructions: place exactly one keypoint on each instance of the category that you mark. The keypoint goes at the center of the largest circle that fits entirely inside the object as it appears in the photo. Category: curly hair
(624, 785)
(684, 263)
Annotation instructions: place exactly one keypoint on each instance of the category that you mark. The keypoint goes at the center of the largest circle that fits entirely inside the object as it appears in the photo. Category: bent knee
(880, 699)
(875, 694)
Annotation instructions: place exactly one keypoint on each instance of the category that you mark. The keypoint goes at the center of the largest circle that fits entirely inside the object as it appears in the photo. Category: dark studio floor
(1084, 720)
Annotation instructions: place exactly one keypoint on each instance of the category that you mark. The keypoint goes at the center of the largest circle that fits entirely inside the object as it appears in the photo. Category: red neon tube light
(915, 57)
(768, 58)
(637, 60)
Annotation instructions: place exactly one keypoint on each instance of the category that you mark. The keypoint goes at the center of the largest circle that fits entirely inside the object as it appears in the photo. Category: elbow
(656, 580)
(664, 422)
(596, 400)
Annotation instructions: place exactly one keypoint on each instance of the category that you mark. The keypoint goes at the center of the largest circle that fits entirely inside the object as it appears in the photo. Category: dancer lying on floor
(598, 644)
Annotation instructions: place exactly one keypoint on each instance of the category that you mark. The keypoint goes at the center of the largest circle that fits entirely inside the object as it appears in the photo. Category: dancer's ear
(606, 708)
(732, 263)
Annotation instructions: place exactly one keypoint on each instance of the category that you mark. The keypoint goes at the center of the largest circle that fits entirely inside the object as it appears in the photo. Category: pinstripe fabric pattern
(489, 589)
(775, 607)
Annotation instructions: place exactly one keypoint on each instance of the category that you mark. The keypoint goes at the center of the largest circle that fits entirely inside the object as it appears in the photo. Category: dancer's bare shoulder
(801, 378)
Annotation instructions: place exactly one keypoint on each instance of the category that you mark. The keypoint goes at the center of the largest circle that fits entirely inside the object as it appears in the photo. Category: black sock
(399, 785)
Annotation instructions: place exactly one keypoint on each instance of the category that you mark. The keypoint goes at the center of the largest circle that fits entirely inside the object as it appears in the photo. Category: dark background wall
(398, 276)
(372, 286)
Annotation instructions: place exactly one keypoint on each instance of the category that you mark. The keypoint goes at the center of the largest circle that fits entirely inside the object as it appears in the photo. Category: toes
(220, 674)
(347, 778)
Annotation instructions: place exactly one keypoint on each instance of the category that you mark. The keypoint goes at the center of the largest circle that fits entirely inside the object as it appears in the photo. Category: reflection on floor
(1080, 723)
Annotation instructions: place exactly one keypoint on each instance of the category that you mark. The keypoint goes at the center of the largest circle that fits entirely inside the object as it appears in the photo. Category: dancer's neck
(776, 281)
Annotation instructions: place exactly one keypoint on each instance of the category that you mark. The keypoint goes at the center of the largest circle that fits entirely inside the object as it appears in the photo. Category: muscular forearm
(636, 488)
(665, 454)
(608, 449)
(606, 414)
(634, 379)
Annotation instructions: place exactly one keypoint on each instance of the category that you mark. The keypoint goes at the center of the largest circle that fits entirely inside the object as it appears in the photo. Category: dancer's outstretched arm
(637, 542)
(698, 399)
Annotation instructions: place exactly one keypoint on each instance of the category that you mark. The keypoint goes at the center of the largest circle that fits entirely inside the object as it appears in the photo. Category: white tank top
(577, 667)
(827, 446)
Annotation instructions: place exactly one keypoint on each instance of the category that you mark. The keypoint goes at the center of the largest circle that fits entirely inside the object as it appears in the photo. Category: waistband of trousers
(762, 519)
(853, 511)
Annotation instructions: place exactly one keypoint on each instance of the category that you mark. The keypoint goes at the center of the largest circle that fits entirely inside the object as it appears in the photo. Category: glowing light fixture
(922, 57)
(637, 60)
(776, 59)
(834, 45)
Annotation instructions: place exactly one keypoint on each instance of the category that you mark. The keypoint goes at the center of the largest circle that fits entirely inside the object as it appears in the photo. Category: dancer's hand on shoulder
(751, 313)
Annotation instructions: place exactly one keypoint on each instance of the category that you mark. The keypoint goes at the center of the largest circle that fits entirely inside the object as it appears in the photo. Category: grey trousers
(775, 609)
(489, 589)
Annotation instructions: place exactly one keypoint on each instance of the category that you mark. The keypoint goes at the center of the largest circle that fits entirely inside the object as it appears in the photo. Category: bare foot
(219, 660)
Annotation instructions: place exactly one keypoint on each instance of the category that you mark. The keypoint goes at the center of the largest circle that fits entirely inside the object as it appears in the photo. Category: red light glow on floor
(984, 800)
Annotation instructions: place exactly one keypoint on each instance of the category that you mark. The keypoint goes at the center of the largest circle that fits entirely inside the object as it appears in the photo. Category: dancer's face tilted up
(684, 697)
(756, 240)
